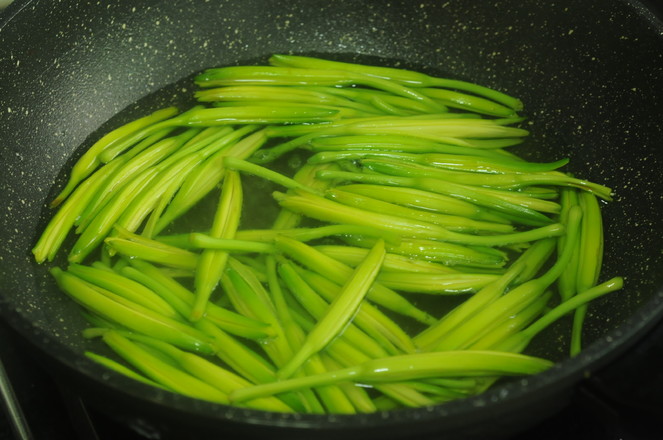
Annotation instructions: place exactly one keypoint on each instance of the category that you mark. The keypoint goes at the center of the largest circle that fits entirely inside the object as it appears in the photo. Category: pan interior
(590, 89)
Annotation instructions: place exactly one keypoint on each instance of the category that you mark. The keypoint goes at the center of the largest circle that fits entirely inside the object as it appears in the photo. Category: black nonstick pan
(590, 74)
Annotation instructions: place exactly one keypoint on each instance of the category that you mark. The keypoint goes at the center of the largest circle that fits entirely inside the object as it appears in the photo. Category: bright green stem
(249, 297)
(309, 234)
(484, 186)
(400, 144)
(369, 318)
(436, 284)
(328, 210)
(172, 171)
(333, 398)
(534, 258)
(591, 242)
(566, 283)
(161, 204)
(220, 378)
(433, 334)
(102, 224)
(134, 139)
(467, 102)
(131, 169)
(267, 155)
(379, 101)
(590, 258)
(408, 77)
(148, 142)
(340, 311)
(278, 297)
(146, 201)
(180, 240)
(306, 176)
(203, 180)
(207, 141)
(154, 252)
(283, 76)
(339, 272)
(408, 367)
(239, 357)
(367, 125)
(515, 300)
(317, 307)
(342, 112)
(440, 252)
(451, 128)
(212, 262)
(246, 362)
(465, 193)
(181, 299)
(59, 226)
(360, 399)
(503, 330)
(162, 372)
(352, 256)
(124, 287)
(257, 114)
(448, 128)
(234, 163)
(519, 341)
(379, 204)
(505, 180)
(346, 355)
(205, 241)
(454, 162)
(424, 200)
(136, 318)
(119, 368)
(251, 303)
(90, 159)
(262, 94)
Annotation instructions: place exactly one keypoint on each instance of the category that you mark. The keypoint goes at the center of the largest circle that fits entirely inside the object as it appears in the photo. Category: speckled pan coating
(590, 74)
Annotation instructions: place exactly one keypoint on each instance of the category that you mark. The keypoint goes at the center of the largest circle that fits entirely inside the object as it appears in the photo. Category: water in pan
(566, 121)
(261, 209)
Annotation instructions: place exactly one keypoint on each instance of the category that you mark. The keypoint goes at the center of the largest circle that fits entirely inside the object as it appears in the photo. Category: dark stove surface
(624, 402)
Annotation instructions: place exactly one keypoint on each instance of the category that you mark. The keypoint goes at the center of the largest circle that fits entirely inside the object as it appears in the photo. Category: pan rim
(570, 371)
(627, 333)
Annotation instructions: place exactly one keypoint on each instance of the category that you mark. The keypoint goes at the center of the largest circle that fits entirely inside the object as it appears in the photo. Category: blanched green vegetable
(90, 160)
(291, 244)
(212, 263)
(340, 310)
(412, 366)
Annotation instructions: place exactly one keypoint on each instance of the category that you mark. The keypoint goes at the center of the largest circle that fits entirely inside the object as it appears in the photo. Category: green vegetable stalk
(334, 270)
(406, 367)
(90, 160)
(211, 263)
(340, 310)
(132, 315)
(409, 260)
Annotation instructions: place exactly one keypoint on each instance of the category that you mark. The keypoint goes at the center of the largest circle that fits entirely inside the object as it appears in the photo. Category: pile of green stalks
(410, 261)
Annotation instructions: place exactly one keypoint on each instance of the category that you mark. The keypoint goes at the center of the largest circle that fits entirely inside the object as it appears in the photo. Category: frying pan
(590, 74)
